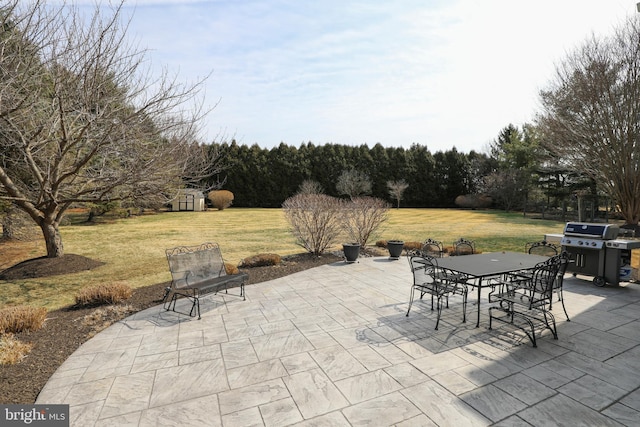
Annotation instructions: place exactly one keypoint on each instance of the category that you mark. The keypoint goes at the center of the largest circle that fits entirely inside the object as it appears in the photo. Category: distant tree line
(260, 177)
(515, 173)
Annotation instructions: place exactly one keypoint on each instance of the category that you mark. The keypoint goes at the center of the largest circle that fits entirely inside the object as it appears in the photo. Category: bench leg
(196, 304)
(171, 305)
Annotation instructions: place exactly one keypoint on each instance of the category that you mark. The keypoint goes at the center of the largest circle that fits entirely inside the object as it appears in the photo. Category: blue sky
(444, 74)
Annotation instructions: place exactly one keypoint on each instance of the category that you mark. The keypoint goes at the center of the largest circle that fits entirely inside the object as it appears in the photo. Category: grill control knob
(593, 243)
(580, 242)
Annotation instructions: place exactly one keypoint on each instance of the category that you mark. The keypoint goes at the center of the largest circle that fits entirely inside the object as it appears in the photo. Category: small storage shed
(188, 200)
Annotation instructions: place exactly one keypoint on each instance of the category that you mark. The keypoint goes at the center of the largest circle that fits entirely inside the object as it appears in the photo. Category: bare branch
(84, 120)
(314, 219)
(591, 115)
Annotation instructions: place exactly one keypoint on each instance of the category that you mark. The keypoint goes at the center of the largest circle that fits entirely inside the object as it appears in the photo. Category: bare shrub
(221, 199)
(385, 243)
(112, 293)
(21, 319)
(12, 350)
(261, 260)
(314, 219)
(412, 246)
(362, 217)
(473, 201)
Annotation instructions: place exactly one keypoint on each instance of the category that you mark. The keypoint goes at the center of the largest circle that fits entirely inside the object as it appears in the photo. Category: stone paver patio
(332, 346)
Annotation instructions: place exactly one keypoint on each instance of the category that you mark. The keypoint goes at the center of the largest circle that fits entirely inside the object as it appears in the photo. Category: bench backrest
(195, 263)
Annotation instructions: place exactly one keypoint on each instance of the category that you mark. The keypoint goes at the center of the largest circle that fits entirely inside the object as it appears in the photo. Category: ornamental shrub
(473, 201)
(12, 350)
(314, 219)
(221, 199)
(362, 217)
(21, 318)
(112, 293)
(261, 260)
(230, 269)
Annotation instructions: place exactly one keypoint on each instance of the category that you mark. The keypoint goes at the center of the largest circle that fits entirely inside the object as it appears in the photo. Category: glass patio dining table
(480, 267)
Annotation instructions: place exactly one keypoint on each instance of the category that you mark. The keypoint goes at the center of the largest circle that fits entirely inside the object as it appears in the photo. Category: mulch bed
(64, 330)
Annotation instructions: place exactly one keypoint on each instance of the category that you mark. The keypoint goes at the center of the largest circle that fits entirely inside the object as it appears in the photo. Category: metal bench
(196, 270)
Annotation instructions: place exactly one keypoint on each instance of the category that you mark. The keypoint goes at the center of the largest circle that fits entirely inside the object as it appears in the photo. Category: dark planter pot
(351, 251)
(395, 248)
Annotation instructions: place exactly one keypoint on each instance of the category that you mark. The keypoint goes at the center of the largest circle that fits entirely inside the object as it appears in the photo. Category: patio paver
(332, 346)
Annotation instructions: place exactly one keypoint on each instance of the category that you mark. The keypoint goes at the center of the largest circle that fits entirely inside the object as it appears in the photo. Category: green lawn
(133, 248)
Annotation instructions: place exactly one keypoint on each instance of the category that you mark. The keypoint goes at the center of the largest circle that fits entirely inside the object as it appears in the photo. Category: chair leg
(531, 336)
(561, 299)
(464, 306)
(552, 327)
(413, 289)
(491, 317)
(439, 312)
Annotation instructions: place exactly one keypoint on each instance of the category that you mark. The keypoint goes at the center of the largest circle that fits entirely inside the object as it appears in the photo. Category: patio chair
(432, 248)
(543, 248)
(428, 278)
(464, 247)
(527, 299)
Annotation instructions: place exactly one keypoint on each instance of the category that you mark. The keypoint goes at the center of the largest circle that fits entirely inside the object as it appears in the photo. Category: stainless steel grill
(596, 251)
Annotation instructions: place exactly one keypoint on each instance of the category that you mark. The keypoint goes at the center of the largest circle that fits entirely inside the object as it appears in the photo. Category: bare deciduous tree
(81, 118)
(396, 190)
(310, 186)
(315, 220)
(591, 116)
(353, 183)
(362, 217)
(506, 187)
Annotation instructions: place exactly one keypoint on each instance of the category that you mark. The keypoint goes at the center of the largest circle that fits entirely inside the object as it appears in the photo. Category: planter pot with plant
(395, 248)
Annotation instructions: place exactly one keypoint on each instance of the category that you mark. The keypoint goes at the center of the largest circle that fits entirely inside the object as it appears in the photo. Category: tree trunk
(52, 239)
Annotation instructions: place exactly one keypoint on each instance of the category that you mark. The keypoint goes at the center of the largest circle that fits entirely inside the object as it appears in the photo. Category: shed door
(187, 203)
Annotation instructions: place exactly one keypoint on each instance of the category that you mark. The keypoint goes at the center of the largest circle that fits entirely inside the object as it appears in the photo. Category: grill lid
(590, 230)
